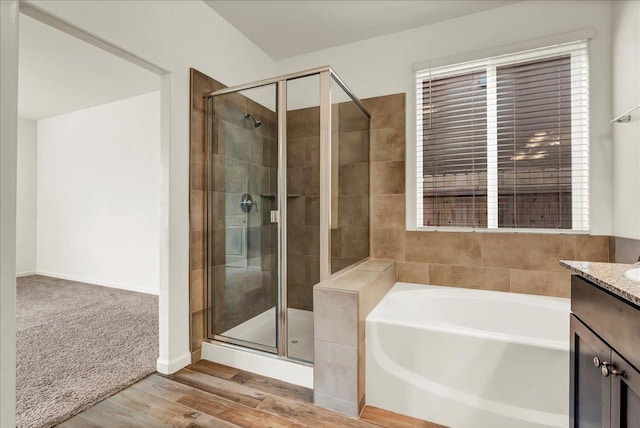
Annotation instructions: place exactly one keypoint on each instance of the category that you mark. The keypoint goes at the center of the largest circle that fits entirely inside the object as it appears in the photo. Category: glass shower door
(243, 241)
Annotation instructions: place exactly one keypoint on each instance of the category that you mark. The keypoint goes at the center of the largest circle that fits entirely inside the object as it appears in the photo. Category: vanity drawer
(615, 320)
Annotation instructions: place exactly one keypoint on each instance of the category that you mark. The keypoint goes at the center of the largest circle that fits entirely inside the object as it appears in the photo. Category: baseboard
(94, 282)
(170, 367)
(21, 274)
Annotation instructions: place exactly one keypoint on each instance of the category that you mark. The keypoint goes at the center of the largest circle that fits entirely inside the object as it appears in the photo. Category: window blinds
(503, 142)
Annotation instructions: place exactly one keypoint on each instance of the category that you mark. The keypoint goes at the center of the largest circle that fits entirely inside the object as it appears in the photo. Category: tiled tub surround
(500, 261)
(609, 276)
(625, 250)
(341, 306)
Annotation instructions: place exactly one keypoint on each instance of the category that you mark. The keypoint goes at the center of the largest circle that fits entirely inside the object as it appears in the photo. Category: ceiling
(59, 73)
(287, 28)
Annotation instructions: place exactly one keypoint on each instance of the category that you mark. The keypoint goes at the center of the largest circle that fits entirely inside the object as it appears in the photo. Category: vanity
(605, 346)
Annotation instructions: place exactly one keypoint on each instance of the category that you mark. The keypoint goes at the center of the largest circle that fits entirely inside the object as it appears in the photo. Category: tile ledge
(368, 272)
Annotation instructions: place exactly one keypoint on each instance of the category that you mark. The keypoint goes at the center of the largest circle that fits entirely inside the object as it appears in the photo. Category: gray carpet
(77, 344)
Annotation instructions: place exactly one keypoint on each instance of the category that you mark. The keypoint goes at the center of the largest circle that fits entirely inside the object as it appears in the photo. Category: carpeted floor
(77, 344)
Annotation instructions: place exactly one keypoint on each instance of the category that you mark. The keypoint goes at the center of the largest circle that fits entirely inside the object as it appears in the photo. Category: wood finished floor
(207, 394)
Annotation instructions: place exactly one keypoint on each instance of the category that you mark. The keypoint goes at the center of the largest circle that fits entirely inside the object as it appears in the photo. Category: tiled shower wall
(350, 231)
(200, 84)
(517, 262)
(303, 207)
(244, 244)
(245, 241)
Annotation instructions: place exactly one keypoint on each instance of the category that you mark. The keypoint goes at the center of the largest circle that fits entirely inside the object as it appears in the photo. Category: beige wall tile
(197, 330)
(219, 205)
(336, 370)
(355, 242)
(197, 250)
(592, 248)
(626, 250)
(303, 122)
(197, 170)
(388, 211)
(413, 272)
(386, 111)
(197, 130)
(201, 84)
(354, 179)
(335, 316)
(351, 118)
(527, 250)
(388, 144)
(196, 210)
(461, 249)
(295, 152)
(543, 283)
(218, 173)
(341, 406)
(387, 177)
(219, 247)
(196, 291)
(469, 277)
(312, 151)
(352, 280)
(352, 148)
(370, 296)
(353, 210)
(376, 265)
(361, 373)
(387, 243)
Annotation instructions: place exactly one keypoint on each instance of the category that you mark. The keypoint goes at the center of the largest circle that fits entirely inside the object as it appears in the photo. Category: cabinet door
(590, 390)
(625, 394)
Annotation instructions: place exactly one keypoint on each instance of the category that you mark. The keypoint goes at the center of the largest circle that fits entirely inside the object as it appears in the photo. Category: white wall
(26, 197)
(8, 162)
(625, 48)
(384, 65)
(173, 35)
(99, 194)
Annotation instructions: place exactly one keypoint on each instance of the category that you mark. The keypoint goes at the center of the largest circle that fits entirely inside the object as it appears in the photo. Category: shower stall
(287, 206)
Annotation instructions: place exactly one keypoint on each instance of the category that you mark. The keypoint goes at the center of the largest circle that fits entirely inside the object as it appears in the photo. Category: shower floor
(262, 329)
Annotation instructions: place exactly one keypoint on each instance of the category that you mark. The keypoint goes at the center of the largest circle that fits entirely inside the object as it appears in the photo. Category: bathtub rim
(557, 303)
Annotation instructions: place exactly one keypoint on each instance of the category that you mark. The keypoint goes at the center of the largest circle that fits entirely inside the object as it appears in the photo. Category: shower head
(255, 121)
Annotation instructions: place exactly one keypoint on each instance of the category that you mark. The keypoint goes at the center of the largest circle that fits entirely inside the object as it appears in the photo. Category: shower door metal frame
(326, 74)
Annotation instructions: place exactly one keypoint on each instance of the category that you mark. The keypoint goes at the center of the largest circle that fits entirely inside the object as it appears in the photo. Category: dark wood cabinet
(625, 394)
(605, 385)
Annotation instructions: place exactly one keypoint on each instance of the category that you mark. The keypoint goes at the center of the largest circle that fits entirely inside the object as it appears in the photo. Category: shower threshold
(261, 329)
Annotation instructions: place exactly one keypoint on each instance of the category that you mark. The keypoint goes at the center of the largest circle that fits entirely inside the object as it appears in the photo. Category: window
(503, 142)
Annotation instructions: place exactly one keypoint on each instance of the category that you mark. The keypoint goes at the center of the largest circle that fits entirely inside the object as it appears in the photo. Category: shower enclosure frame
(326, 74)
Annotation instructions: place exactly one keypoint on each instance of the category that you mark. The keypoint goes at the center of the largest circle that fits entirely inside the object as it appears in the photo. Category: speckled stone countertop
(609, 276)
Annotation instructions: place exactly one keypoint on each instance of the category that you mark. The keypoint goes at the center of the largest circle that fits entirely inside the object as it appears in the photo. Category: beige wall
(516, 262)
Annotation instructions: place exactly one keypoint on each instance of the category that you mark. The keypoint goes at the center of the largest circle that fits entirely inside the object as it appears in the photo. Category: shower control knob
(596, 362)
(247, 203)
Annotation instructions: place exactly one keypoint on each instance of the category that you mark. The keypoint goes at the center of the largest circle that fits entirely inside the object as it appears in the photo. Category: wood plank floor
(207, 394)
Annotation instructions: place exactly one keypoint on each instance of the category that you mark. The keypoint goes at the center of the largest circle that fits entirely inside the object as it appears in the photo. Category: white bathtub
(469, 358)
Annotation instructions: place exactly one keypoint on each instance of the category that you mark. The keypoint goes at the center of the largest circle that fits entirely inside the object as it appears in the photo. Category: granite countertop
(609, 276)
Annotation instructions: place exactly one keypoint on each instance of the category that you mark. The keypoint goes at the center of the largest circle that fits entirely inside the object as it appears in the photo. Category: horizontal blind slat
(540, 135)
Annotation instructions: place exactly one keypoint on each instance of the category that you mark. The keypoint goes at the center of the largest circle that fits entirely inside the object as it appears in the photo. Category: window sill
(501, 230)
